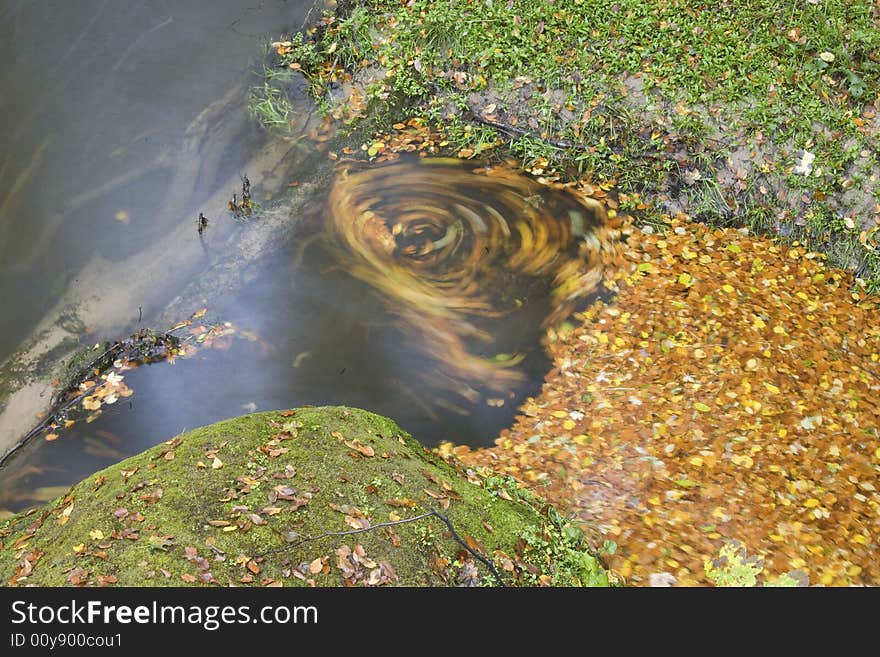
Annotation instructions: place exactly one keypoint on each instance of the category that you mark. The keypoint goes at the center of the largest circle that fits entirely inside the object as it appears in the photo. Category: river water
(104, 93)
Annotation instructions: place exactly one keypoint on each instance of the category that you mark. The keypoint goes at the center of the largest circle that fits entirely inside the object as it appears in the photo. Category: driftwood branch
(135, 344)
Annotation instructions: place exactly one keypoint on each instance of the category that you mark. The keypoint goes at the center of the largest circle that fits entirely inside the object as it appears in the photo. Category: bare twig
(477, 555)
(101, 363)
(390, 523)
(445, 520)
(513, 131)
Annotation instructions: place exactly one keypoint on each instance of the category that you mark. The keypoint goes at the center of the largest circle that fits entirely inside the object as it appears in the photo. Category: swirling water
(421, 291)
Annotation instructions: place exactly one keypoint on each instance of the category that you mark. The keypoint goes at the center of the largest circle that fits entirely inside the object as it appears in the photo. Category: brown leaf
(401, 502)
(474, 544)
(78, 576)
(107, 580)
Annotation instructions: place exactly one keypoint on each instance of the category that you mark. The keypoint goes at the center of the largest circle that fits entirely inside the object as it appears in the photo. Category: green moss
(241, 502)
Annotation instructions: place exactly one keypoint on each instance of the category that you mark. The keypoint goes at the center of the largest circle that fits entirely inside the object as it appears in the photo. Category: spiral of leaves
(450, 249)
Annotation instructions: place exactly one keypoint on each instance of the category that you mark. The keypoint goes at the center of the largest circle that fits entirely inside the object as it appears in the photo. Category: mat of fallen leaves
(731, 391)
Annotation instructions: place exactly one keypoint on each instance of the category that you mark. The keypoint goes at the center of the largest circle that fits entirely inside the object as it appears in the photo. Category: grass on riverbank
(762, 115)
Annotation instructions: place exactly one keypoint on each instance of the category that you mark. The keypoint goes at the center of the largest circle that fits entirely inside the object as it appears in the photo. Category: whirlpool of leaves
(472, 262)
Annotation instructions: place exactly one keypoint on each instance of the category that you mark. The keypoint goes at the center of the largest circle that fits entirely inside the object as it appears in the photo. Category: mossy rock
(311, 496)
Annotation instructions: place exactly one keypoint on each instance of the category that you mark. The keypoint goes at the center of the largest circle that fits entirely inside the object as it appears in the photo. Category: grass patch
(687, 103)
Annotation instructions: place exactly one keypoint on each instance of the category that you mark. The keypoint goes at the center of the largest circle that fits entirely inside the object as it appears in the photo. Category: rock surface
(326, 496)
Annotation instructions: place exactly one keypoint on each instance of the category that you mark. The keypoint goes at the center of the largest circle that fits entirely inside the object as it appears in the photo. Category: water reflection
(422, 292)
(97, 99)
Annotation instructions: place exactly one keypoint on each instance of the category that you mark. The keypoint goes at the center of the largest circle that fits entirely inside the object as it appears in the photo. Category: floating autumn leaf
(436, 238)
(90, 403)
(750, 379)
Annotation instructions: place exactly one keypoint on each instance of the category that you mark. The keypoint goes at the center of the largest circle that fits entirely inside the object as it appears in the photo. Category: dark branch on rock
(444, 519)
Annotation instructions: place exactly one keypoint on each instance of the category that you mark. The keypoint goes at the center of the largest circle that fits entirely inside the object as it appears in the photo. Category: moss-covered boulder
(326, 496)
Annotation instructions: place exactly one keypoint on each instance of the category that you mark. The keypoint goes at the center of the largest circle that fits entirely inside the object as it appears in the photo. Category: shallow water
(432, 315)
(97, 99)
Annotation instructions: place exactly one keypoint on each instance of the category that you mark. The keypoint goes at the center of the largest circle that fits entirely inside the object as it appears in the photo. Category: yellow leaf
(568, 425)
(696, 461)
(772, 388)
(728, 288)
(700, 406)
(811, 503)
(96, 535)
(216, 463)
(685, 279)
(199, 313)
(65, 515)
